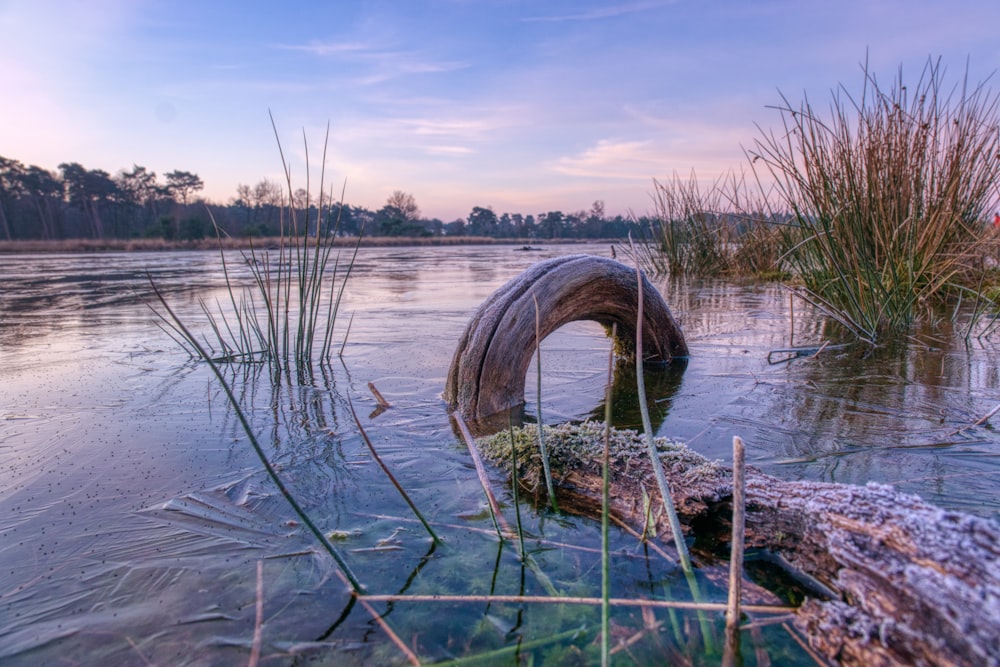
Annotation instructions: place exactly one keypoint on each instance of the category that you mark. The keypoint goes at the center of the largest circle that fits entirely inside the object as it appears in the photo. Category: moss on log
(913, 584)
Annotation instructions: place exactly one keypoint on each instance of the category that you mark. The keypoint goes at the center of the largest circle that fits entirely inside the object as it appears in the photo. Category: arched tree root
(491, 361)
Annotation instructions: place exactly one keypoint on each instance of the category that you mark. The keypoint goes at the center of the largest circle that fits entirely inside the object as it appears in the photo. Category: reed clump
(286, 316)
(726, 229)
(889, 193)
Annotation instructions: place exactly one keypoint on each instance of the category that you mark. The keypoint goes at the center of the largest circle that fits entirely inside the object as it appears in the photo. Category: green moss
(581, 446)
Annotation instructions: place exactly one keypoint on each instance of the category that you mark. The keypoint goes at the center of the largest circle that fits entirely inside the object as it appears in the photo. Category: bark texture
(912, 584)
(490, 364)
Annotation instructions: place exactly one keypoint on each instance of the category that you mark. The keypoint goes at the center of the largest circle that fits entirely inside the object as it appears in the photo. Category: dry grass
(722, 230)
(890, 194)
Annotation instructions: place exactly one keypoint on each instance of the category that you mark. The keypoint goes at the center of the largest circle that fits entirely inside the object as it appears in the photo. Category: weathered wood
(491, 361)
(914, 584)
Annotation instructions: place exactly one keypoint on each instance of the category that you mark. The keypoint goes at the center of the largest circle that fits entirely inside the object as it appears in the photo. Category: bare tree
(405, 204)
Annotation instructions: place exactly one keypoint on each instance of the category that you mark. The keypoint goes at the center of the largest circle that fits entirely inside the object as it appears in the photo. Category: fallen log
(897, 581)
(491, 361)
(911, 584)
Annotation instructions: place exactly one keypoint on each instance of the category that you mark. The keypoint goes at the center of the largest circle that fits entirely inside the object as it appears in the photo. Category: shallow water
(133, 512)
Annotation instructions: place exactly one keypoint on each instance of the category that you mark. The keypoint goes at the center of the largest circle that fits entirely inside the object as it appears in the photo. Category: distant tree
(140, 192)
(505, 226)
(455, 228)
(191, 229)
(597, 210)
(392, 221)
(89, 191)
(482, 222)
(11, 189)
(183, 184)
(574, 224)
(436, 226)
(405, 204)
(244, 202)
(551, 224)
(45, 192)
(260, 205)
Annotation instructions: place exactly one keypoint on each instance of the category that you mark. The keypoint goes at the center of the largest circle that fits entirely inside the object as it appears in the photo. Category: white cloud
(602, 13)
(613, 159)
(379, 63)
(450, 150)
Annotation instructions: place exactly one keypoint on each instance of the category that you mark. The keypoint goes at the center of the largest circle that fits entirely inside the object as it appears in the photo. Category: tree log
(911, 584)
(489, 366)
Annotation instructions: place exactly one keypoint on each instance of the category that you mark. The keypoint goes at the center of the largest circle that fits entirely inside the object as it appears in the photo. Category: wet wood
(912, 584)
(491, 361)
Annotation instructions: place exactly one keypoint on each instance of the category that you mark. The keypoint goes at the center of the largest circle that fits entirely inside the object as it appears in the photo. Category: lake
(137, 526)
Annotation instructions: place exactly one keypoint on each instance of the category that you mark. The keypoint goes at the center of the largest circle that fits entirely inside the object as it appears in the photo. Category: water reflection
(129, 493)
(662, 383)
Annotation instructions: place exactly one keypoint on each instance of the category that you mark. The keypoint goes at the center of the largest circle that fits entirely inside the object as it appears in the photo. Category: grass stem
(245, 423)
(389, 475)
(736, 556)
(499, 522)
(661, 478)
(606, 510)
(549, 488)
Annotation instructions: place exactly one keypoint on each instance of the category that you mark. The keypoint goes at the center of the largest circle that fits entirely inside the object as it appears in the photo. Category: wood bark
(489, 366)
(910, 583)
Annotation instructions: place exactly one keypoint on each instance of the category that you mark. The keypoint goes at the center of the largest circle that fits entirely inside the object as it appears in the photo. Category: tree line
(79, 203)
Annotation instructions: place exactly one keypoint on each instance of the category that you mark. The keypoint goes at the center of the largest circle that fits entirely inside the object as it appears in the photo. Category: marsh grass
(723, 229)
(876, 211)
(889, 193)
(286, 317)
(321, 537)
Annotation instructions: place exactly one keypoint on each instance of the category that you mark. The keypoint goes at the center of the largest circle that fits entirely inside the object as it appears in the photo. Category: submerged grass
(320, 536)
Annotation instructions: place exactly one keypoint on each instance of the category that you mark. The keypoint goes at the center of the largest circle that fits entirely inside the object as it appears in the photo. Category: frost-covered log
(912, 584)
(491, 361)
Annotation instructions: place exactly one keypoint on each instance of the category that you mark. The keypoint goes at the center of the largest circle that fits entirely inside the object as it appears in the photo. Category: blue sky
(523, 106)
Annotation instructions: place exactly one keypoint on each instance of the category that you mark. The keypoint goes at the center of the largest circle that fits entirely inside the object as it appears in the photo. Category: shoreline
(160, 245)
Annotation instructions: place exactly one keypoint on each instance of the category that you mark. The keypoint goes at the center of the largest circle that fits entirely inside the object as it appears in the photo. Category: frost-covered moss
(581, 447)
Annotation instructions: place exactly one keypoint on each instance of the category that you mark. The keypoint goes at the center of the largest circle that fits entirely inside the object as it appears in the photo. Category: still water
(134, 515)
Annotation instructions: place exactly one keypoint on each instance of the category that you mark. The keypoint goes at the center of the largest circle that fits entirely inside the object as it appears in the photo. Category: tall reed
(320, 536)
(890, 193)
(287, 317)
(724, 229)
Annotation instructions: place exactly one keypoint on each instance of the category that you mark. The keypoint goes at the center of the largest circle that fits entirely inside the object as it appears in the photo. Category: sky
(521, 106)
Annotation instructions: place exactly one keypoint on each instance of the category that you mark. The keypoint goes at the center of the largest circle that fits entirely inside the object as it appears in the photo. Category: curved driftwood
(907, 583)
(488, 370)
